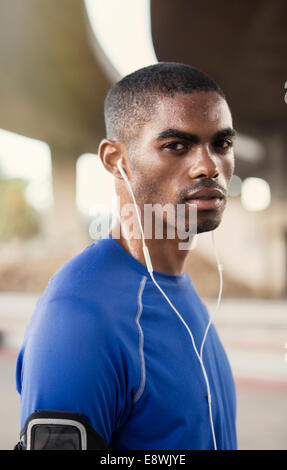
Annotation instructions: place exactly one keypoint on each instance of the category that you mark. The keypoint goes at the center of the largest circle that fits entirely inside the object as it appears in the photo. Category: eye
(176, 146)
(223, 144)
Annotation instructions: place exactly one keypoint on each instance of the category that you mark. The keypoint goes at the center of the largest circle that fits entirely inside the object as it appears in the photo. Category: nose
(203, 164)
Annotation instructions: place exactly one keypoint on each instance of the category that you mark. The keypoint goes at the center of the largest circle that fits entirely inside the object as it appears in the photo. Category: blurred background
(57, 61)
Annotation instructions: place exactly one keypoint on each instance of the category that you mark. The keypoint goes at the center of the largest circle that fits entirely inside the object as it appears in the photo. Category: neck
(166, 257)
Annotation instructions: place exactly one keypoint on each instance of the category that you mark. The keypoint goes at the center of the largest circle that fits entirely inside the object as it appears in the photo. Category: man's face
(184, 155)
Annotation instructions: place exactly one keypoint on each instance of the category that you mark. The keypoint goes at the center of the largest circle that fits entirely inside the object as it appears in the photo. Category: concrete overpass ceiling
(121, 35)
(53, 85)
(52, 88)
(243, 45)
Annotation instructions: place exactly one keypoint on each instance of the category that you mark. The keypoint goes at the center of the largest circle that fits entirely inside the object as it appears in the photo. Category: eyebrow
(176, 133)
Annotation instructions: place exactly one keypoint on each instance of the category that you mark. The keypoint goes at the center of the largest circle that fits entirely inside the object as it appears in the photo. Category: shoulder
(84, 280)
(83, 269)
(98, 270)
(93, 289)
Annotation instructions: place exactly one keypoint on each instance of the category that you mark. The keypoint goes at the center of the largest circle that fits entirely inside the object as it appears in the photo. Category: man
(104, 344)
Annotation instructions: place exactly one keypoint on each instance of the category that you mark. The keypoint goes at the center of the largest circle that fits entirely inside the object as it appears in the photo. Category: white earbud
(121, 170)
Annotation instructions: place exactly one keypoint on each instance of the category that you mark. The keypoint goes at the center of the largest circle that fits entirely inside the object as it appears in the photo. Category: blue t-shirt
(104, 342)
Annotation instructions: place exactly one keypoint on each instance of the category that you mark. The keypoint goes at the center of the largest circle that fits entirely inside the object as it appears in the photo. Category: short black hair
(130, 101)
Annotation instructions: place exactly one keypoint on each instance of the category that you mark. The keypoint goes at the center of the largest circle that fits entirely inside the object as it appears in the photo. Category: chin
(208, 223)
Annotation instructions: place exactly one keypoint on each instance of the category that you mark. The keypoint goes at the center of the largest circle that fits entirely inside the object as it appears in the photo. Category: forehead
(198, 112)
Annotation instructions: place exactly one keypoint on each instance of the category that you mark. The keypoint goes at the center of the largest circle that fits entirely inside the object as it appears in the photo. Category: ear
(110, 152)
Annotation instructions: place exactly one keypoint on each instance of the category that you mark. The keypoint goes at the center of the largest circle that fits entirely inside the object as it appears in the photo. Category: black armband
(59, 430)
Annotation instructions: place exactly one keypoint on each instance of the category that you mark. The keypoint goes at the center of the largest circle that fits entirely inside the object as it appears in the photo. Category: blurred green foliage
(18, 219)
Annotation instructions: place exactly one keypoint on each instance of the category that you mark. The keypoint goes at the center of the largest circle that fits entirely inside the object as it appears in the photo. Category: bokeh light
(255, 194)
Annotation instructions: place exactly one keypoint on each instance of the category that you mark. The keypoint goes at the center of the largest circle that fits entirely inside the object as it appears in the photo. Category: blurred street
(254, 335)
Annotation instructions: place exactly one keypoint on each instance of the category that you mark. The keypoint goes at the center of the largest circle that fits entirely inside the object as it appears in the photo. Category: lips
(206, 193)
(206, 198)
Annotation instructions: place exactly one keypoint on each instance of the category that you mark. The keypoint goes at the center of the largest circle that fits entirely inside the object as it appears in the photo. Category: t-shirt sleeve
(71, 361)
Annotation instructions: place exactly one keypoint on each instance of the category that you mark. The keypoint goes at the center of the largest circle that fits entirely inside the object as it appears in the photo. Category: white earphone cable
(150, 269)
(220, 269)
(198, 356)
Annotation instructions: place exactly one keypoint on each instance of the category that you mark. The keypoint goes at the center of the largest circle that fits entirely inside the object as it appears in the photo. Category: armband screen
(59, 430)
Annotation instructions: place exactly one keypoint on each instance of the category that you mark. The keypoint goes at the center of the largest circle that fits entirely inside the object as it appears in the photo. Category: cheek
(152, 189)
(144, 183)
(149, 181)
(228, 167)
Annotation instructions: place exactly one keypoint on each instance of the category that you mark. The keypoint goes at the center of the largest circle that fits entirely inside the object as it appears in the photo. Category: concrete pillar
(276, 225)
(62, 225)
